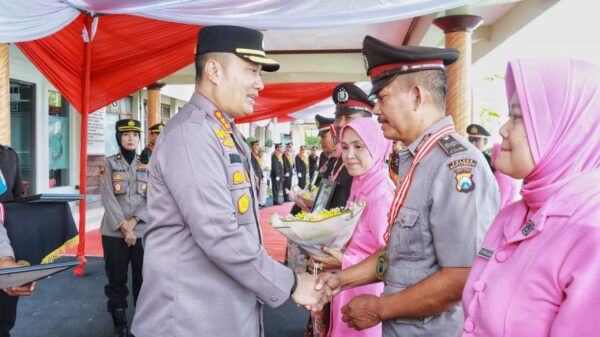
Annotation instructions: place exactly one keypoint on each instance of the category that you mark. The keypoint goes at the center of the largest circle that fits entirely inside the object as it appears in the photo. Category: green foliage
(494, 77)
(268, 143)
(312, 141)
(489, 116)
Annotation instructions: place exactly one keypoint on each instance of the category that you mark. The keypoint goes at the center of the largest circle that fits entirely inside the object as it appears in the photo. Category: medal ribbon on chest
(402, 190)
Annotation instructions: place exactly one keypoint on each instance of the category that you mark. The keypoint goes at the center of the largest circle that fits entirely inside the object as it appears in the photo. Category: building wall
(21, 69)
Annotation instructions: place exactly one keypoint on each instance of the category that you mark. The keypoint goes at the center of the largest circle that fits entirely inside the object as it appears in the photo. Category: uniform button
(274, 299)
(469, 325)
(478, 286)
(501, 256)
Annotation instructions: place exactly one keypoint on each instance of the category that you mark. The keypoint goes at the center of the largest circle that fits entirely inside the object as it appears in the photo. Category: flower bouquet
(311, 231)
(303, 198)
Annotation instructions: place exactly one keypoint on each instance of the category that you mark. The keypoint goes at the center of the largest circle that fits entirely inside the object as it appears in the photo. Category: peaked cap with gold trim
(477, 130)
(124, 125)
(157, 128)
(244, 42)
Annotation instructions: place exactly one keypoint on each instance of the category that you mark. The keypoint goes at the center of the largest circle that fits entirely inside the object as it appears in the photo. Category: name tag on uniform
(234, 158)
(485, 253)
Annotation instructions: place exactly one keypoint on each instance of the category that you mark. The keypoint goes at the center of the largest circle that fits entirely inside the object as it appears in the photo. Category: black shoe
(119, 317)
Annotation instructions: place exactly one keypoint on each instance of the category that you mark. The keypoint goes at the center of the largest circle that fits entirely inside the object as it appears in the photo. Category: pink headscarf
(506, 184)
(371, 134)
(560, 101)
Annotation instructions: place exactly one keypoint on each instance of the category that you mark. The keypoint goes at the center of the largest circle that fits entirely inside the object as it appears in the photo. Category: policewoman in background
(123, 185)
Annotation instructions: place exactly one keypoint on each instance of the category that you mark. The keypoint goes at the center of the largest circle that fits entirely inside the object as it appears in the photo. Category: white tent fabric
(34, 19)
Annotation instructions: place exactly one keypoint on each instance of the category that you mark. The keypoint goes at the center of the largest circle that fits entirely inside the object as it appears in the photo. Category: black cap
(323, 124)
(253, 142)
(384, 61)
(125, 125)
(477, 130)
(243, 42)
(157, 128)
(350, 99)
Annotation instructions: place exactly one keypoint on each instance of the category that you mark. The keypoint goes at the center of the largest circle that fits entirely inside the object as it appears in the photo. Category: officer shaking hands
(441, 209)
(206, 272)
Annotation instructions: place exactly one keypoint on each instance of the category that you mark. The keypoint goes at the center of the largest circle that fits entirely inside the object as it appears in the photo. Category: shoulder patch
(450, 145)
(467, 162)
(464, 180)
(102, 170)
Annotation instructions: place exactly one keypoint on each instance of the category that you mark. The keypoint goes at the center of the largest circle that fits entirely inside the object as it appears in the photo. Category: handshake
(313, 292)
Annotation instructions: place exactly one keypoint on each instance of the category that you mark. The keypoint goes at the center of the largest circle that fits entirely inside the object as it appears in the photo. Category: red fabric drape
(85, 80)
(128, 53)
(281, 99)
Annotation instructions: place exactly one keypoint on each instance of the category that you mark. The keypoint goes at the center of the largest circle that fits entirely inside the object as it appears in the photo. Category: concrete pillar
(4, 95)
(458, 30)
(154, 109)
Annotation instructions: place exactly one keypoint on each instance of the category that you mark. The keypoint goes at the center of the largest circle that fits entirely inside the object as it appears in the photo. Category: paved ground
(66, 306)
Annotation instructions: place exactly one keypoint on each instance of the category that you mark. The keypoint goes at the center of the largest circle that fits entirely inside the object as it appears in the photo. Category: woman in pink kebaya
(506, 184)
(538, 271)
(364, 149)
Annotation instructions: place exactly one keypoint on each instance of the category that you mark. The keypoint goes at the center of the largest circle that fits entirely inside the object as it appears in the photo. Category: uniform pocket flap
(408, 217)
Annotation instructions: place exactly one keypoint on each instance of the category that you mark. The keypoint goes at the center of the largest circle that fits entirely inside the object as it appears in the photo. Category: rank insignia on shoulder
(219, 115)
(238, 177)
(464, 180)
(102, 170)
(450, 145)
(222, 134)
(243, 204)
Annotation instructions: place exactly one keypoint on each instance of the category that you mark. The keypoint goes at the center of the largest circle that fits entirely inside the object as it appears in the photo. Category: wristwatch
(137, 220)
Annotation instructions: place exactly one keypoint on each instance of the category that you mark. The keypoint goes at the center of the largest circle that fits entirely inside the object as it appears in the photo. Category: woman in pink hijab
(506, 184)
(538, 271)
(364, 149)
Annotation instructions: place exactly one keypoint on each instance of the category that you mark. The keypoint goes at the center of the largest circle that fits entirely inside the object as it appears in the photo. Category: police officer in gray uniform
(206, 272)
(123, 186)
(440, 219)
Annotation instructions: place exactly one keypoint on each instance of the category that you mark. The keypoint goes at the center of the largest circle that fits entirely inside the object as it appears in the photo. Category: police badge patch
(342, 95)
(464, 180)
